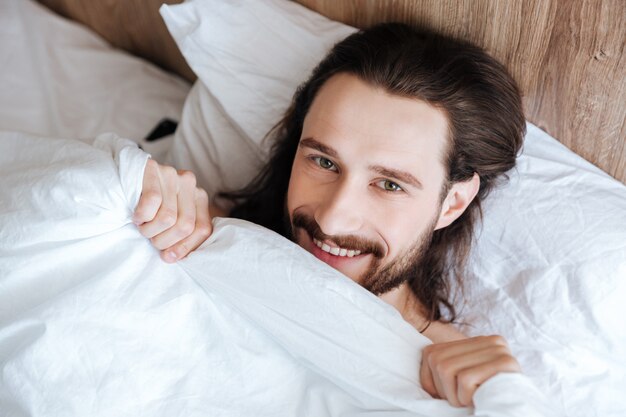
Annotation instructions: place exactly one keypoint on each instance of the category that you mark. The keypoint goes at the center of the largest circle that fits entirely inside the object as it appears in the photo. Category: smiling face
(365, 189)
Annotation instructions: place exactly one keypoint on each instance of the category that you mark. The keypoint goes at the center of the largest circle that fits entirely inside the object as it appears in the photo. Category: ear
(459, 197)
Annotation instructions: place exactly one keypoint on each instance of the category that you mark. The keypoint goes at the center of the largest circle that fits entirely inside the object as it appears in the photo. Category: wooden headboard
(567, 55)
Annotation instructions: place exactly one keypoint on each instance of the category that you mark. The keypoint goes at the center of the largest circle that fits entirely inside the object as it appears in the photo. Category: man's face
(365, 189)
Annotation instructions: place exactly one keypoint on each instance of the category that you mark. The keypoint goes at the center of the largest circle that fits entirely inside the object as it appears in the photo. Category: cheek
(396, 234)
(404, 228)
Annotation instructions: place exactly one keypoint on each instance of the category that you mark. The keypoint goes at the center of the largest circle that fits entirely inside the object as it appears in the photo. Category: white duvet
(93, 323)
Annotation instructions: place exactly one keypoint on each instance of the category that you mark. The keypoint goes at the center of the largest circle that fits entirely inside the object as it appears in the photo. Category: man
(378, 169)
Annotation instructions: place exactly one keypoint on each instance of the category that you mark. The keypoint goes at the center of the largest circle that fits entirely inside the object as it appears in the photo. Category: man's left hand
(454, 370)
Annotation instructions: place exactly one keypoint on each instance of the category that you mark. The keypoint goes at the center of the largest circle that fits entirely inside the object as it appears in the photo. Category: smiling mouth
(336, 250)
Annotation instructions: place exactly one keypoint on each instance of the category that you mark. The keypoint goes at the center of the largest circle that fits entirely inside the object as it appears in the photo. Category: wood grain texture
(567, 55)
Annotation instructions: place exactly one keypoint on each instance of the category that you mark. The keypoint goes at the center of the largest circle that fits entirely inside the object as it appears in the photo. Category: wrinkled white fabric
(58, 78)
(93, 323)
(548, 271)
(548, 267)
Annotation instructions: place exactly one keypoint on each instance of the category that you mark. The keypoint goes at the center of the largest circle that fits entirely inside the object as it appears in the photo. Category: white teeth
(337, 251)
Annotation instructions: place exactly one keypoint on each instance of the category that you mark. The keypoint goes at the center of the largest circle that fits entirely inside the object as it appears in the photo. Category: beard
(378, 279)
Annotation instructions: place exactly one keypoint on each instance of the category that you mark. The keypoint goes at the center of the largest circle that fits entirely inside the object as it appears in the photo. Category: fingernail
(170, 256)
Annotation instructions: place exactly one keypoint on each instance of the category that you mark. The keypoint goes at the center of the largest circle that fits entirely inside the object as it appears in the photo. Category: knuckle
(434, 357)
(167, 218)
(151, 197)
(501, 350)
(508, 362)
(427, 350)
(187, 176)
(168, 171)
(151, 163)
(496, 340)
(202, 195)
(158, 244)
(204, 229)
(445, 369)
(185, 226)
(467, 379)
(181, 250)
(467, 382)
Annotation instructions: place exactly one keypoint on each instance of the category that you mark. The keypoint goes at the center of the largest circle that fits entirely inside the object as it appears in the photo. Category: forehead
(369, 124)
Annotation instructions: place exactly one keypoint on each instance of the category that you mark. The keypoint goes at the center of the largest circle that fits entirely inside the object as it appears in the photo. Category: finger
(449, 349)
(202, 231)
(438, 353)
(186, 215)
(150, 199)
(426, 376)
(433, 383)
(168, 211)
(444, 382)
(445, 360)
(446, 371)
(468, 380)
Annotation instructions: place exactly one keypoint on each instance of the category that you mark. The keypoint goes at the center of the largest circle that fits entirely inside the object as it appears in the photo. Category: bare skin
(172, 212)
(454, 366)
(355, 127)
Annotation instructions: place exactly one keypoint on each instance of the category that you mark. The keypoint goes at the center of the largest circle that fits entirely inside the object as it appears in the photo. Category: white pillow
(549, 267)
(246, 78)
(548, 272)
(58, 78)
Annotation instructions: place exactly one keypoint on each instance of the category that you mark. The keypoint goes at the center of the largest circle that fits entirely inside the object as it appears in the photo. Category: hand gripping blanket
(93, 323)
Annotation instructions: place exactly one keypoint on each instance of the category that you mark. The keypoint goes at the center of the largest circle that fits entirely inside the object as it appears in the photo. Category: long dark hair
(486, 128)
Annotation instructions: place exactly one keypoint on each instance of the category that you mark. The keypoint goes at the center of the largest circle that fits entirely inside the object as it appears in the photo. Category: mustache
(309, 224)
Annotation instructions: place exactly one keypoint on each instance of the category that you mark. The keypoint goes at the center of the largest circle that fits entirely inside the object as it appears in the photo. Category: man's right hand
(172, 212)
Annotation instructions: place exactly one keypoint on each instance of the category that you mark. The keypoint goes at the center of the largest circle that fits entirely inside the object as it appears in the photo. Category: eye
(389, 186)
(324, 163)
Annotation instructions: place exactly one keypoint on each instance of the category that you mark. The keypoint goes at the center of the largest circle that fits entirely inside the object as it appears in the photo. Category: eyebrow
(397, 174)
(313, 144)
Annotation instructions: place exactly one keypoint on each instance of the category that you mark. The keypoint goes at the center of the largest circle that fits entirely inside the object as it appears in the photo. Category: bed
(548, 268)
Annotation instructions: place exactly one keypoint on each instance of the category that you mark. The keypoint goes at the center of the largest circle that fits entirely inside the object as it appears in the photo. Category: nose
(342, 210)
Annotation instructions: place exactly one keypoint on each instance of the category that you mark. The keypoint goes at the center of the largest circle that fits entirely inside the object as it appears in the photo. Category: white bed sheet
(548, 267)
(93, 323)
(57, 78)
